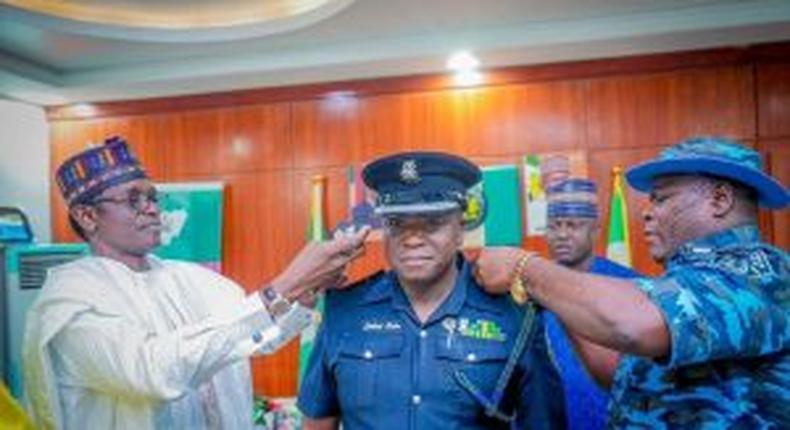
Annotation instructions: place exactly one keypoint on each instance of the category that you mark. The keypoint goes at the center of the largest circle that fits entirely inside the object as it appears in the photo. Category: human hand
(495, 268)
(319, 265)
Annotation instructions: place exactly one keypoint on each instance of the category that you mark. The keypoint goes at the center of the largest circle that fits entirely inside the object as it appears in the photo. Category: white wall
(24, 163)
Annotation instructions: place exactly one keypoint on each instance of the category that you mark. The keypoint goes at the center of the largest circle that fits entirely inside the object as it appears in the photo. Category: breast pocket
(364, 364)
(474, 362)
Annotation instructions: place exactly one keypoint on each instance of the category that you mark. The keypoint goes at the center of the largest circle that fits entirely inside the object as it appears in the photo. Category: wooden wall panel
(542, 117)
(244, 243)
(773, 98)
(151, 148)
(645, 110)
(327, 132)
(718, 101)
(485, 121)
(394, 123)
(252, 228)
(254, 138)
(776, 224)
(269, 146)
(192, 147)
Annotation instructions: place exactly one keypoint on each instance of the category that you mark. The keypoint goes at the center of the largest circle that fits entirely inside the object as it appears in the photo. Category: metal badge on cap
(409, 173)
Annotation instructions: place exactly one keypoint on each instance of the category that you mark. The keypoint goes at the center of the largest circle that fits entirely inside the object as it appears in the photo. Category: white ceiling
(50, 60)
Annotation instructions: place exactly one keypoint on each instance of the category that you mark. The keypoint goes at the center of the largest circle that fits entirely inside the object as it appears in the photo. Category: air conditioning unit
(22, 273)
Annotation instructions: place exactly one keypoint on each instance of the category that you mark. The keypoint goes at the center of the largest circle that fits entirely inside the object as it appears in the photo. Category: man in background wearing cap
(124, 340)
(706, 345)
(584, 366)
(423, 346)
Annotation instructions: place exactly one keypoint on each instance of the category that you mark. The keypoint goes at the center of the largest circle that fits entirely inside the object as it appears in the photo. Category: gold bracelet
(517, 289)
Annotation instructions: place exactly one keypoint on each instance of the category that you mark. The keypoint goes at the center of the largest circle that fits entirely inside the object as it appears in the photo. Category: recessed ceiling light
(84, 109)
(462, 60)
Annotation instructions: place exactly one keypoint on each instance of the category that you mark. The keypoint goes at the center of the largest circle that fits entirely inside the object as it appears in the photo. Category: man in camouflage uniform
(707, 344)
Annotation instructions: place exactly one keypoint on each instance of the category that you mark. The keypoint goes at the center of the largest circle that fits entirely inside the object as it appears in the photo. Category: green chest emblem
(480, 329)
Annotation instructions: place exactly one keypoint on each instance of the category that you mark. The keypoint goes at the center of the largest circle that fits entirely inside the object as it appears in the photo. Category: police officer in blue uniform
(586, 369)
(707, 344)
(423, 346)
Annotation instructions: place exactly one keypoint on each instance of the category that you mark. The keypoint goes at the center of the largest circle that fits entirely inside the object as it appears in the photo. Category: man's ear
(722, 199)
(85, 216)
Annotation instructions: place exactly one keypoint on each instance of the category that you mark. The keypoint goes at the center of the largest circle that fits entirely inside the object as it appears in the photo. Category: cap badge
(409, 173)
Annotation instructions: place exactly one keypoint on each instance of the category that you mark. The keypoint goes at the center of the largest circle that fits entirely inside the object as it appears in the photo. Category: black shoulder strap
(491, 404)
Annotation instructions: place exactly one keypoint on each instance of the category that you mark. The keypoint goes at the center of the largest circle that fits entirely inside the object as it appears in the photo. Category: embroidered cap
(572, 198)
(87, 174)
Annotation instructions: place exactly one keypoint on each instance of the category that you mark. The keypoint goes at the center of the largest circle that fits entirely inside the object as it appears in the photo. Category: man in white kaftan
(124, 340)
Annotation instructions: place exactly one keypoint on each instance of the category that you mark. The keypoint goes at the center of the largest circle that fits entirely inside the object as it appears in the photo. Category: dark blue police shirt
(376, 366)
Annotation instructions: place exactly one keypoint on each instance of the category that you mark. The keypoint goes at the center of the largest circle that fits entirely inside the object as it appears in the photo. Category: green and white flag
(619, 245)
(191, 222)
(498, 197)
(534, 197)
(316, 232)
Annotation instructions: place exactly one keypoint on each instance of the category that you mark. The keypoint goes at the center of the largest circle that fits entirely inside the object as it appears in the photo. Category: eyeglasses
(136, 200)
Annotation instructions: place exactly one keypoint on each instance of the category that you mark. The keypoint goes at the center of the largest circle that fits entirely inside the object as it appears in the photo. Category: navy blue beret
(420, 182)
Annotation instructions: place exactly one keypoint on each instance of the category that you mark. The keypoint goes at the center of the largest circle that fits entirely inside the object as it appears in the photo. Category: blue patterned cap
(572, 198)
(87, 174)
(714, 156)
(420, 182)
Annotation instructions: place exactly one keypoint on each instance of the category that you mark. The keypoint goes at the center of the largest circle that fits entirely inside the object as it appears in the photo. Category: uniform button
(471, 357)
(423, 334)
(257, 337)
(368, 354)
(416, 399)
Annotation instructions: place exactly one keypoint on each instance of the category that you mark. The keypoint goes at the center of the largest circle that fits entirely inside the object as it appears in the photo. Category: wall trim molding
(649, 63)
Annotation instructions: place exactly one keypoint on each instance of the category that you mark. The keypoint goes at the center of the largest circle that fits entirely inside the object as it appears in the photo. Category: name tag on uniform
(381, 326)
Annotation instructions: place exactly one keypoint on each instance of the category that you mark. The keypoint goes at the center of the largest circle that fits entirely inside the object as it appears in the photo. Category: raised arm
(610, 312)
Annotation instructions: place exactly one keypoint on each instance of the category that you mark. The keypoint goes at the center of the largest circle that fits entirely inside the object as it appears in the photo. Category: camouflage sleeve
(711, 316)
